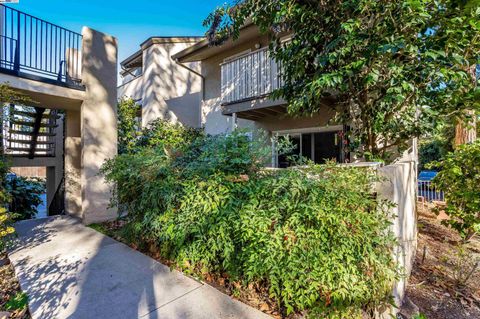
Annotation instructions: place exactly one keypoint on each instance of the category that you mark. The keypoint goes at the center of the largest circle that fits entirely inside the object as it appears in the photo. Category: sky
(131, 22)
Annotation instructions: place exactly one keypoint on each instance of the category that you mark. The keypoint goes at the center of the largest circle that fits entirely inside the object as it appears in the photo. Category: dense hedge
(316, 238)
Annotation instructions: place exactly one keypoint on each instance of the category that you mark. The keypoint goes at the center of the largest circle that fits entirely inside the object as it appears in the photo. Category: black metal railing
(57, 206)
(32, 46)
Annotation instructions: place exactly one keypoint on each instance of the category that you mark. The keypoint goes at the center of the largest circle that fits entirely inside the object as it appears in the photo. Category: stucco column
(73, 191)
(98, 122)
(399, 185)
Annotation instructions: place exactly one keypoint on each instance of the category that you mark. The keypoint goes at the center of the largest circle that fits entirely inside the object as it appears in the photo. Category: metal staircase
(29, 131)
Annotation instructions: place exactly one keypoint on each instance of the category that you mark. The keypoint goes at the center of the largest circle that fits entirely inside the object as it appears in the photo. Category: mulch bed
(9, 287)
(432, 286)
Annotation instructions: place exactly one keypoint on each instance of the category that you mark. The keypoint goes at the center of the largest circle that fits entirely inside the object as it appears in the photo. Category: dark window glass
(326, 147)
(307, 145)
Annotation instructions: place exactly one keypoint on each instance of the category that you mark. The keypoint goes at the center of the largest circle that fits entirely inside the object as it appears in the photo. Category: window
(318, 145)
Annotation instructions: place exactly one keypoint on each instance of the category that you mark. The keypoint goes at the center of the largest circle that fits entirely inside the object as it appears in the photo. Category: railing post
(16, 63)
(3, 39)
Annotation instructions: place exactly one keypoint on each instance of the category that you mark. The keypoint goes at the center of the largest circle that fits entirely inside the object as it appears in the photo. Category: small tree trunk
(467, 132)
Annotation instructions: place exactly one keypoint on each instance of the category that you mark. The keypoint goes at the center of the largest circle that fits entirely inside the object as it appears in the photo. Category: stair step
(27, 149)
(30, 133)
(14, 140)
(32, 124)
(36, 155)
(33, 114)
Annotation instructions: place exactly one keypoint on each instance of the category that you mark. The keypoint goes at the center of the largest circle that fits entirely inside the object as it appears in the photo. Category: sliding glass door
(318, 147)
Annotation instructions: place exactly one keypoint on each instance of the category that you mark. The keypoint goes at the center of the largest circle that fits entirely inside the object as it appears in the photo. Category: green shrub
(158, 133)
(459, 178)
(316, 238)
(17, 302)
(432, 150)
(128, 125)
(25, 196)
(317, 243)
(170, 136)
(6, 220)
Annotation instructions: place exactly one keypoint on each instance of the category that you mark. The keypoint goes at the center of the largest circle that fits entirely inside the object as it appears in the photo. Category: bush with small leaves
(317, 238)
(459, 178)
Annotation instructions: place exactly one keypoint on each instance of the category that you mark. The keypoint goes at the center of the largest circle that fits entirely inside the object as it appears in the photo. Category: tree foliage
(459, 178)
(159, 133)
(389, 67)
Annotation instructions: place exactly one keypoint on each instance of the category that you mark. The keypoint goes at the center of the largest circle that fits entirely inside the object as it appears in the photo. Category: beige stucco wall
(165, 89)
(91, 127)
(73, 191)
(399, 186)
(98, 128)
(132, 89)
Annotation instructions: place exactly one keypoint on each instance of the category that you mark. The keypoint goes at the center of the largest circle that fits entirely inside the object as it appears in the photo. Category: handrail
(40, 19)
(57, 205)
(40, 47)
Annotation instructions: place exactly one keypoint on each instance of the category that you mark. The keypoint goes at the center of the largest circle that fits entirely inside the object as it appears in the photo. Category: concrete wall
(166, 89)
(35, 171)
(47, 95)
(400, 186)
(98, 118)
(73, 151)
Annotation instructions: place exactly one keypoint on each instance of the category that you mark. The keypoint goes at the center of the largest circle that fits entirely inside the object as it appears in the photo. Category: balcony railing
(250, 76)
(35, 48)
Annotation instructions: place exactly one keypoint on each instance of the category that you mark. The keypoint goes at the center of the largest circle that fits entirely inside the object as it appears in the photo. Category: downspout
(177, 61)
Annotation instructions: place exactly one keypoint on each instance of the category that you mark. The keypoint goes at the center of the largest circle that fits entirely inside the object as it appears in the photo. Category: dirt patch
(442, 264)
(12, 300)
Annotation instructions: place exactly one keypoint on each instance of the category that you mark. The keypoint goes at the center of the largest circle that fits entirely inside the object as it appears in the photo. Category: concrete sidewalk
(71, 271)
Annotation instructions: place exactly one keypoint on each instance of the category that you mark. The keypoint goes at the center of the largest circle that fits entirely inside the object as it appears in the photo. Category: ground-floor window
(316, 144)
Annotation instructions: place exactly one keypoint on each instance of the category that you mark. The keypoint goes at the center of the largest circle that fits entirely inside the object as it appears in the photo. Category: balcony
(36, 49)
(247, 81)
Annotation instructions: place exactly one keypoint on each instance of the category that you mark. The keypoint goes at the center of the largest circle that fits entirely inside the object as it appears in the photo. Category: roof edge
(203, 43)
(131, 58)
(176, 39)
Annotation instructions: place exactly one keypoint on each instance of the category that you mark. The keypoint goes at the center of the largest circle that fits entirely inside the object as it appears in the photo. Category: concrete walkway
(71, 271)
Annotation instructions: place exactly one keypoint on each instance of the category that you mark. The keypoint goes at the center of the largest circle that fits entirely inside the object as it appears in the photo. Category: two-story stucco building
(186, 80)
